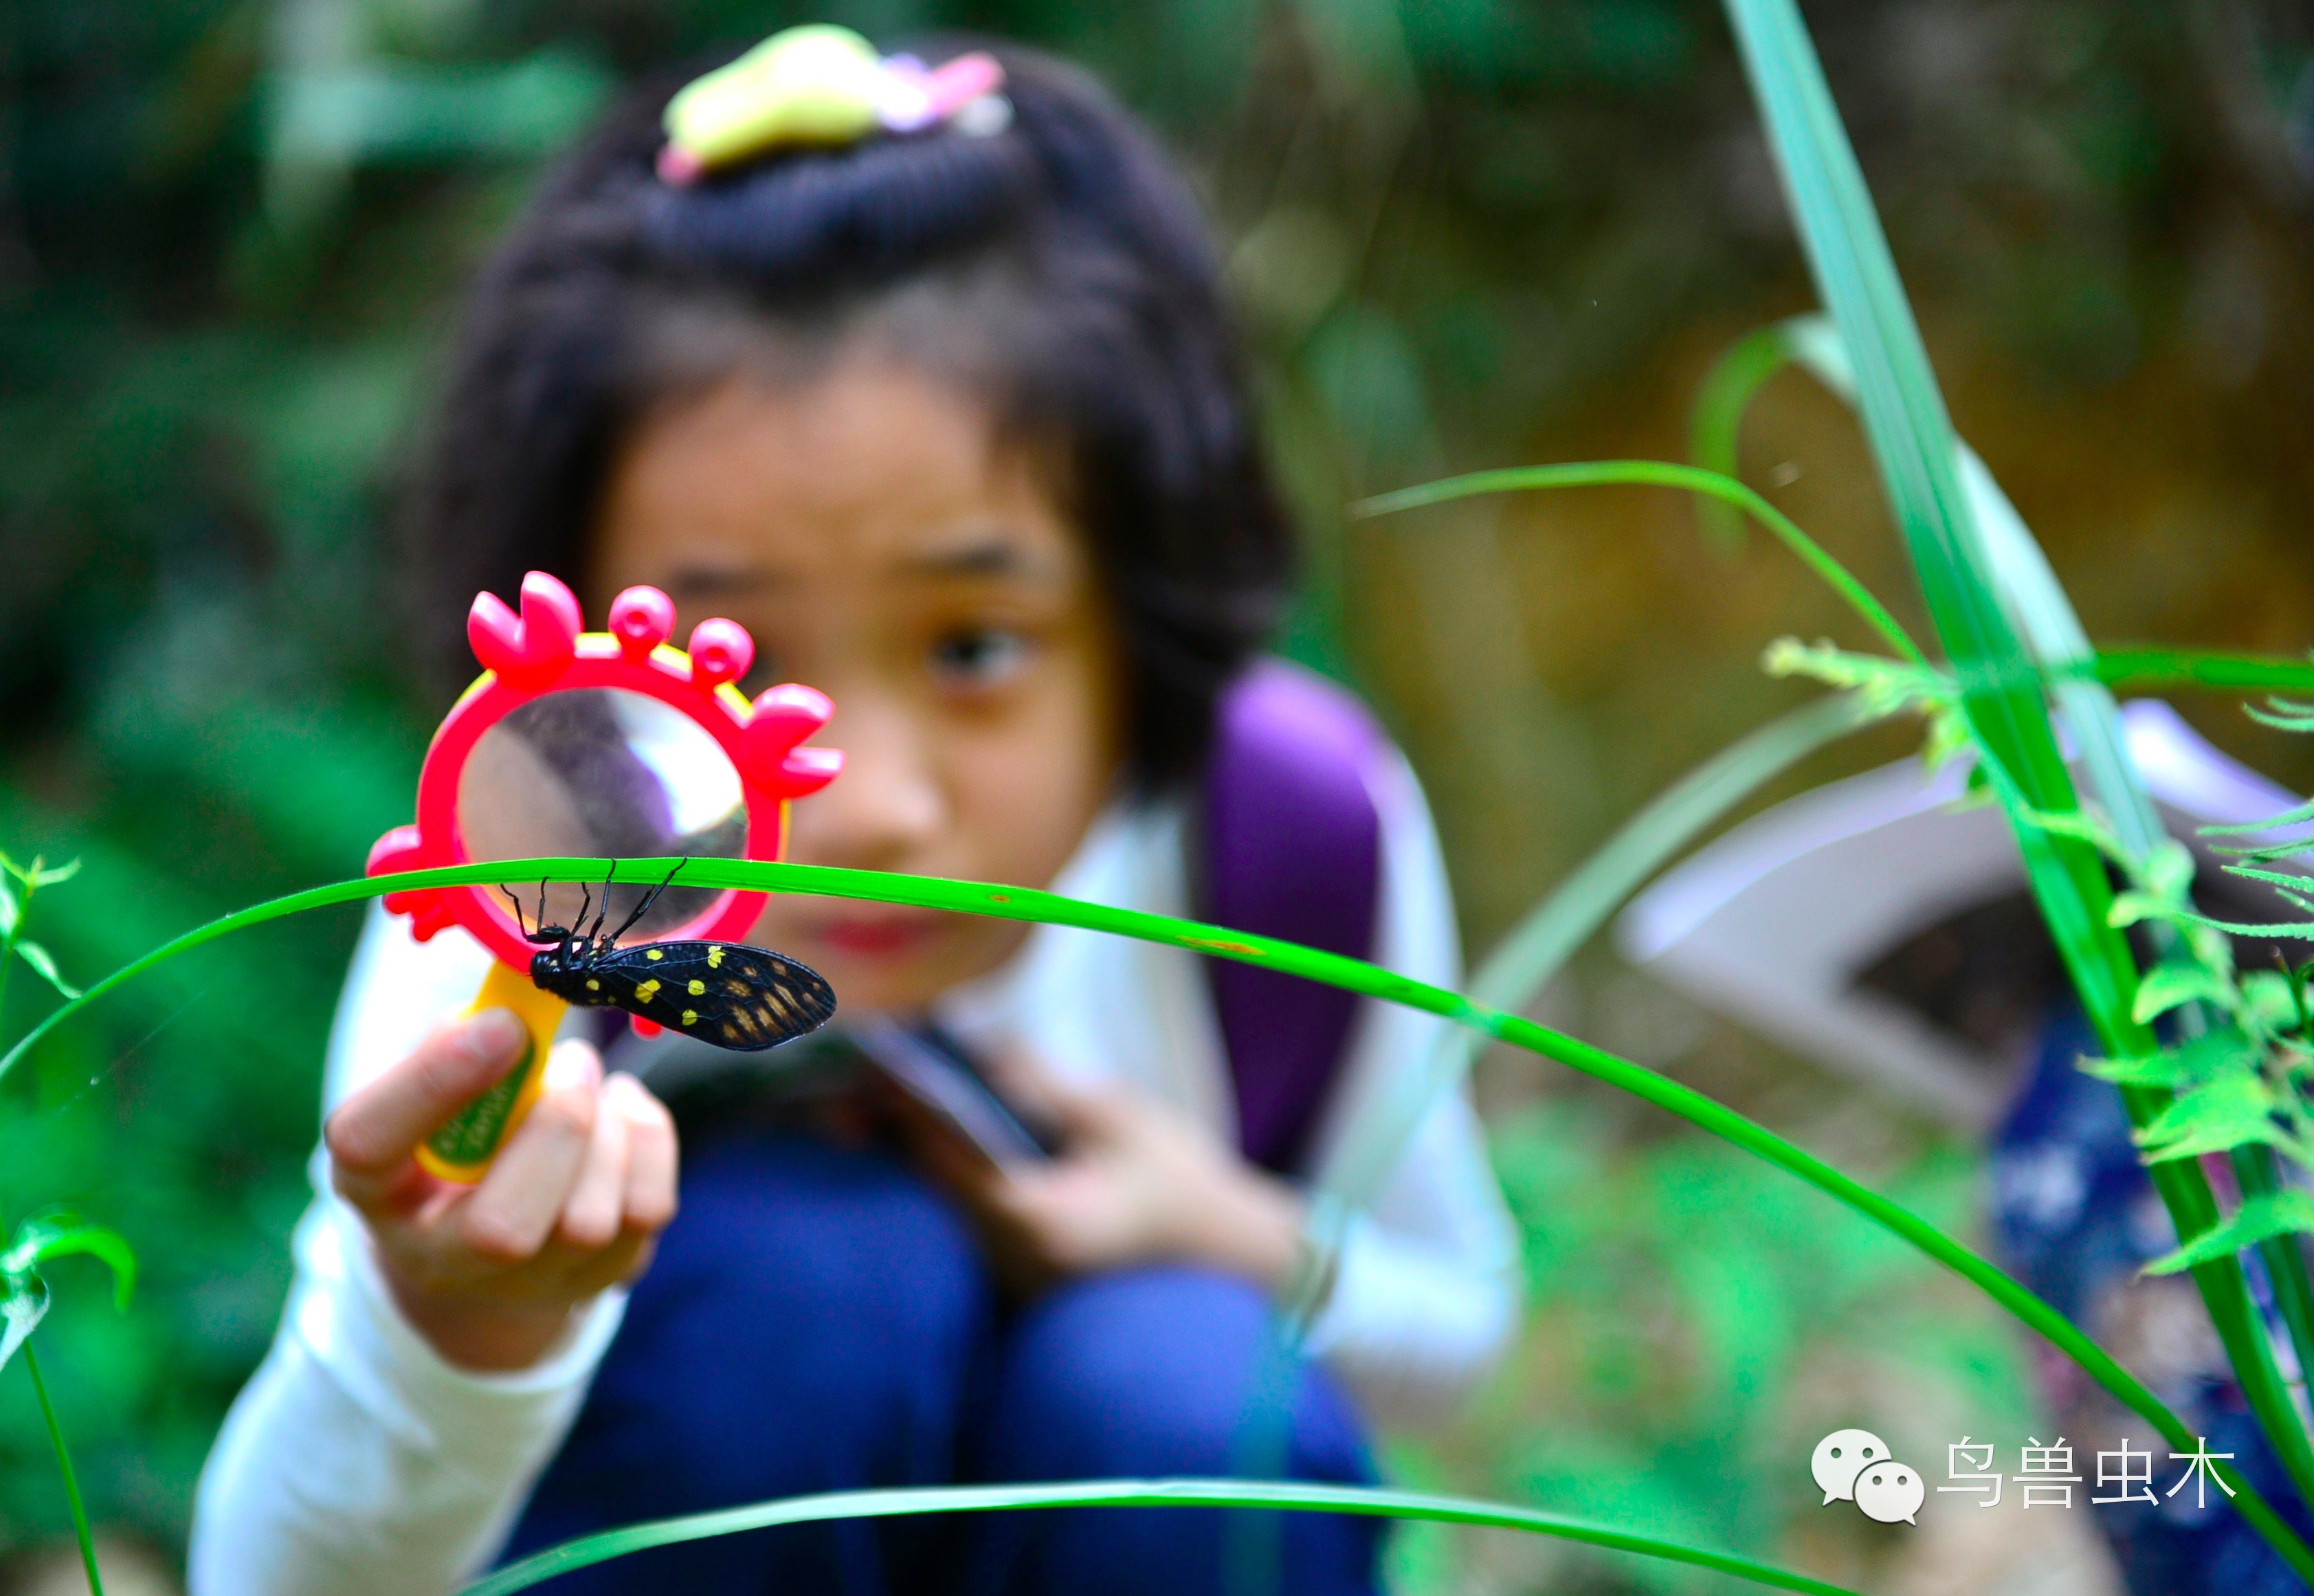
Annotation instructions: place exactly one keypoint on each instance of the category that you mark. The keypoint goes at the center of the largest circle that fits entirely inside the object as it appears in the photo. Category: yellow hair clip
(822, 85)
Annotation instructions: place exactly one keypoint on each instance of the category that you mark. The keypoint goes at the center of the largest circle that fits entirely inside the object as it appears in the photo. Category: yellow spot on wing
(691, 1016)
(653, 954)
(698, 986)
(593, 985)
(646, 991)
(714, 956)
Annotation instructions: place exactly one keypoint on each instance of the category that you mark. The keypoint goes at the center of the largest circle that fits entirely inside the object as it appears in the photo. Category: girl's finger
(591, 1215)
(613, 1266)
(507, 1218)
(1087, 1115)
(373, 1132)
(653, 1158)
(1022, 1081)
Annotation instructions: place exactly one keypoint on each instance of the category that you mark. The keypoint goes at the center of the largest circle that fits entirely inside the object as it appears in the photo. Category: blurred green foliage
(1696, 1321)
(1464, 231)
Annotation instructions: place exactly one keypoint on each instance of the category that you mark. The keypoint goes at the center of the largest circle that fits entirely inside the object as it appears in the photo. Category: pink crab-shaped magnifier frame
(525, 658)
(542, 651)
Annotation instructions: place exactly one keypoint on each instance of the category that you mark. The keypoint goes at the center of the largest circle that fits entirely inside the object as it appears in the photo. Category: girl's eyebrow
(984, 557)
(710, 582)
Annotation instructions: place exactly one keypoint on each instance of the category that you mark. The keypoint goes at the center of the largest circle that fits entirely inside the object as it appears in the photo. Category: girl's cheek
(1040, 768)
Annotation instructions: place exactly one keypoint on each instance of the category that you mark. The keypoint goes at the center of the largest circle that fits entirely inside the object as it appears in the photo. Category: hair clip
(823, 84)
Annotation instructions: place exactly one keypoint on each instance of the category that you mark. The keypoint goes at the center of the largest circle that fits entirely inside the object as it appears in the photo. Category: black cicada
(745, 998)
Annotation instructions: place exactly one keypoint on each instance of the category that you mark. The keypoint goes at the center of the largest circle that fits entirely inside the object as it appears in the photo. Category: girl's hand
(1135, 1183)
(490, 1274)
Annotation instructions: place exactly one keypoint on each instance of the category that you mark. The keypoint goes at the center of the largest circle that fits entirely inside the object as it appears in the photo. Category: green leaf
(2296, 930)
(2228, 1112)
(2166, 986)
(2129, 909)
(2288, 817)
(1948, 737)
(23, 1303)
(2283, 714)
(2170, 871)
(2081, 825)
(49, 877)
(1888, 684)
(11, 912)
(1972, 607)
(45, 964)
(60, 1234)
(2206, 1058)
(1912, 444)
(2290, 883)
(2269, 997)
(2257, 1219)
(2271, 853)
(2164, 1069)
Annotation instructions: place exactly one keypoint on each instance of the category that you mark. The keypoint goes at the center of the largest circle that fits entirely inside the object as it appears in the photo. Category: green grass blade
(1027, 904)
(65, 1467)
(62, 1236)
(2259, 1176)
(1155, 1493)
(2195, 667)
(2051, 633)
(1717, 422)
(1912, 444)
(1659, 473)
(1535, 950)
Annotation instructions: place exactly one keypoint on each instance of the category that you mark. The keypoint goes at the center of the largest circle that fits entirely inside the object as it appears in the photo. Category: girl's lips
(877, 935)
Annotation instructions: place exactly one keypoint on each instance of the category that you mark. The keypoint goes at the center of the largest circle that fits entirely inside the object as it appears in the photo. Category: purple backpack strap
(1293, 850)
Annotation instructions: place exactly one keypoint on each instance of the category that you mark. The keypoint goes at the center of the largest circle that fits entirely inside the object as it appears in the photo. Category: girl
(950, 416)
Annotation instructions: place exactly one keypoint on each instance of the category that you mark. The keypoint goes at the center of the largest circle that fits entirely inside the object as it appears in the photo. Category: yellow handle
(462, 1151)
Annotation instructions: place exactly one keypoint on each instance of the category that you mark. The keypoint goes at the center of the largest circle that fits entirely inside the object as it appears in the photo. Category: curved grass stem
(1716, 422)
(1154, 1493)
(1661, 474)
(1023, 903)
(2195, 668)
(65, 1467)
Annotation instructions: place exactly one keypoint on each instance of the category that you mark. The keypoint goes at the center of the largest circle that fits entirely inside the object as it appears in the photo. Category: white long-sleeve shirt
(358, 1462)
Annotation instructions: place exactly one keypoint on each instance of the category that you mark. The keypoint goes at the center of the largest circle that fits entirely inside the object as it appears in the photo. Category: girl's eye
(978, 657)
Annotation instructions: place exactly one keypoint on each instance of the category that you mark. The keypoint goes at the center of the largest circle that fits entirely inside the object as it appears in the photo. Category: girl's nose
(888, 804)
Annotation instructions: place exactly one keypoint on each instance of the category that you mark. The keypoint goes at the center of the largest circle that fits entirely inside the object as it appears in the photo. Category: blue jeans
(2076, 1218)
(820, 1319)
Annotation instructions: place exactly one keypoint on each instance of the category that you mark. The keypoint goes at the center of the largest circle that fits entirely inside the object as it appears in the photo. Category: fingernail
(493, 1033)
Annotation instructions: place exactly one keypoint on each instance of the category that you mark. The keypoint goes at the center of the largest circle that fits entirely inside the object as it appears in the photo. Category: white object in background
(1772, 922)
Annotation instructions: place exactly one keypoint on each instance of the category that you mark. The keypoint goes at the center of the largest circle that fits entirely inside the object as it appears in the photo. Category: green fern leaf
(2228, 1112)
(2166, 986)
(2207, 1057)
(2259, 1219)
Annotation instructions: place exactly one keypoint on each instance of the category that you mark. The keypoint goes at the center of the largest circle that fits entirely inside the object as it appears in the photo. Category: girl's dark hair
(1059, 265)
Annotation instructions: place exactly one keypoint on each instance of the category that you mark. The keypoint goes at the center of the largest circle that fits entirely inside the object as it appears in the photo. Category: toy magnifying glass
(607, 744)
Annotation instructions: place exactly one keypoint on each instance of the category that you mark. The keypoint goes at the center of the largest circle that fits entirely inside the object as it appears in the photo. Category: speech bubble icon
(1839, 1456)
(1890, 1491)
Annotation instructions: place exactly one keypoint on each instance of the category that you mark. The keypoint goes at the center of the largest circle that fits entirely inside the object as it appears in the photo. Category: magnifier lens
(606, 772)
